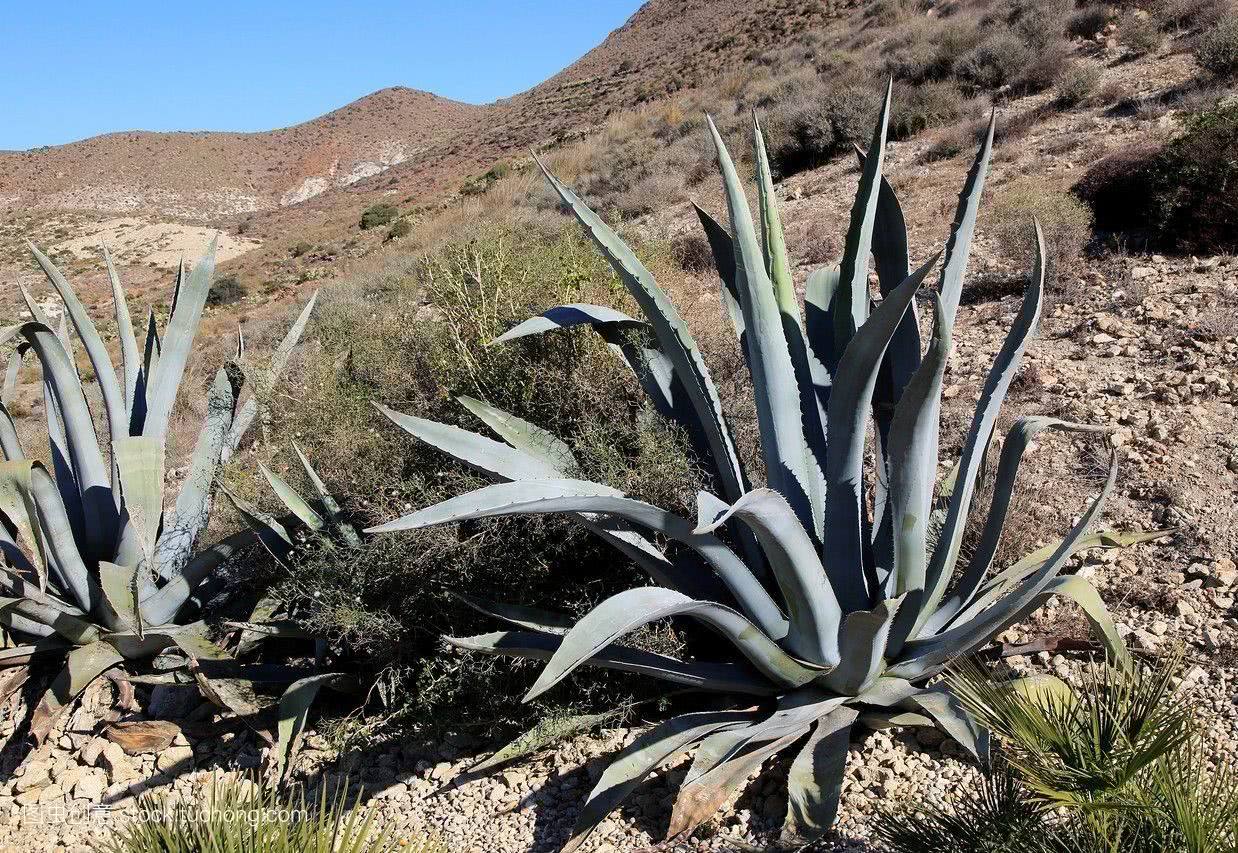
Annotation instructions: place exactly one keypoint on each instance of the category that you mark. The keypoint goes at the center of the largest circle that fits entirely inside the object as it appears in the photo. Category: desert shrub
(1217, 51)
(1045, 68)
(1138, 32)
(1088, 21)
(1066, 222)
(931, 104)
(1039, 23)
(1191, 14)
(1077, 85)
(1179, 197)
(819, 124)
(400, 228)
(693, 253)
(243, 816)
(225, 290)
(652, 192)
(378, 214)
(995, 62)
(414, 337)
(926, 48)
(300, 249)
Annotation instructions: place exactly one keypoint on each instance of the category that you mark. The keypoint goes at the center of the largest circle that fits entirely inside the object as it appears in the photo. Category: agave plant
(95, 565)
(838, 612)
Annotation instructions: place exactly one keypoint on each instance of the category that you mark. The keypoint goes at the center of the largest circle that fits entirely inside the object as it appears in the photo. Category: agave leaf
(824, 349)
(850, 398)
(10, 443)
(949, 714)
(270, 532)
(1085, 595)
(193, 503)
(206, 662)
(18, 507)
(699, 799)
(1002, 373)
(527, 437)
(279, 360)
(129, 358)
(531, 618)
(16, 657)
(72, 627)
(292, 499)
(814, 782)
(1020, 435)
(608, 322)
(723, 250)
(109, 387)
(329, 504)
(178, 340)
(773, 241)
(958, 246)
(84, 665)
(139, 462)
(120, 591)
(12, 371)
(552, 496)
(814, 612)
(627, 611)
(700, 675)
(294, 708)
(862, 647)
(913, 461)
(779, 411)
(150, 363)
(852, 295)
(675, 341)
(161, 606)
(64, 559)
(922, 657)
(638, 759)
(880, 720)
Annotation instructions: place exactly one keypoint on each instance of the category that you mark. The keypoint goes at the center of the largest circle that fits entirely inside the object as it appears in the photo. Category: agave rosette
(837, 614)
(95, 566)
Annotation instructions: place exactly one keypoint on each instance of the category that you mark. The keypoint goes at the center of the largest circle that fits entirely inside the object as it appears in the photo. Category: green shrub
(820, 124)
(1067, 224)
(1178, 197)
(414, 337)
(300, 249)
(1077, 85)
(378, 214)
(1139, 33)
(243, 816)
(400, 228)
(225, 290)
(997, 61)
(931, 104)
(1217, 51)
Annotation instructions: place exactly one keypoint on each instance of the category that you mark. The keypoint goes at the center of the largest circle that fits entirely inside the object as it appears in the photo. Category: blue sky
(91, 67)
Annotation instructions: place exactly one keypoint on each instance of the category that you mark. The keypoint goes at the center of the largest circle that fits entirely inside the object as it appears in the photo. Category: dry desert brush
(825, 613)
(100, 564)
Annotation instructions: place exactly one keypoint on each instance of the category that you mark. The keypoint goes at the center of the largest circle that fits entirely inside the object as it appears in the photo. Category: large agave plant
(95, 566)
(841, 588)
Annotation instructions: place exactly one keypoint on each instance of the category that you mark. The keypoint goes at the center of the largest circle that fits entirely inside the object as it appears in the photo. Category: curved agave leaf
(161, 606)
(553, 496)
(109, 387)
(779, 413)
(700, 675)
(824, 350)
(64, 559)
(73, 628)
(1021, 434)
(119, 585)
(1002, 373)
(139, 463)
(639, 758)
(527, 437)
(530, 618)
(723, 249)
(958, 246)
(18, 508)
(335, 514)
(813, 609)
(294, 708)
(84, 665)
(626, 611)
(674, 339)
(950, 715)
(922, 657)
(850, 398)
(814, 783)
(292, 499)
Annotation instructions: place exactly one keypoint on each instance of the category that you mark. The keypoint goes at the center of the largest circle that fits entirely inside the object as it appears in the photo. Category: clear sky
(73, 70)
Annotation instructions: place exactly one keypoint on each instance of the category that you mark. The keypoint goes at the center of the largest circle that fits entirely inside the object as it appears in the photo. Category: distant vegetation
(225, 290)
(378, 214)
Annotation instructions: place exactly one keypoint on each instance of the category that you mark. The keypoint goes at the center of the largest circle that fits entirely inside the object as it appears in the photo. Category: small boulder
(137, 737)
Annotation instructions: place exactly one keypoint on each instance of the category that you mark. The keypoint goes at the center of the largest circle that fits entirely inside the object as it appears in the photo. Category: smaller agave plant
(100, 564)
(826, 612)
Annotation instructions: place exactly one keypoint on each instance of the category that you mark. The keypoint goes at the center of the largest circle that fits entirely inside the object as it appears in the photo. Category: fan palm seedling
(837, 590)
(95, 565)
